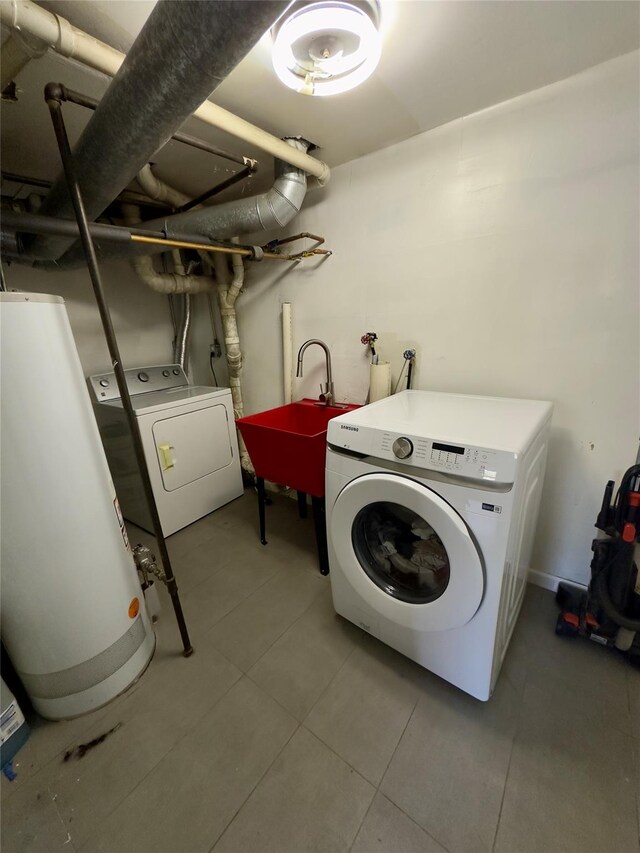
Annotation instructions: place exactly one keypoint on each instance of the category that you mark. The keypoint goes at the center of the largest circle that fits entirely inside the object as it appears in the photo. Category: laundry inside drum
(401, 552)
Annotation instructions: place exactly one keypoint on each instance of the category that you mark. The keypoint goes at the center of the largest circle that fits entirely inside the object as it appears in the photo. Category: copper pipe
(181, 244)
(303, 234)
(207, 247)
(308, 253)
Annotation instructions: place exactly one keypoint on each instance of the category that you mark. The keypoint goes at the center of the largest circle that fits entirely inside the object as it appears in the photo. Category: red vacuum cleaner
(609, 611)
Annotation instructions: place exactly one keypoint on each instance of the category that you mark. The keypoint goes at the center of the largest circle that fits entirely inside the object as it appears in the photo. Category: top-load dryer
(190, 444)
(432, 501)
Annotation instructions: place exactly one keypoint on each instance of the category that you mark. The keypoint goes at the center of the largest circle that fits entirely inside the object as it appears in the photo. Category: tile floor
(291, 730)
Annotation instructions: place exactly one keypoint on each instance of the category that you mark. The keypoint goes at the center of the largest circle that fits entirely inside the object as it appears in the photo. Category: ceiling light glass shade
(326, 48)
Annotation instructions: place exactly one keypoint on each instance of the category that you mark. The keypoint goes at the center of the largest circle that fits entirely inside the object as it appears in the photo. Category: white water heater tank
(73, 616)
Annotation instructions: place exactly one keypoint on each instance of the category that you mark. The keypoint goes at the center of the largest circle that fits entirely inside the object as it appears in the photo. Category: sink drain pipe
(228, 293)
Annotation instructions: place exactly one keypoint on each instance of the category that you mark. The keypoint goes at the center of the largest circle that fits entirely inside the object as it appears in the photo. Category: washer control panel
(139, 381)
(476, 463)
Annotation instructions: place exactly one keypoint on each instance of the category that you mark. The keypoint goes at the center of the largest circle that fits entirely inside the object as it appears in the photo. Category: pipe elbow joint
(54, 92)
(277, 207)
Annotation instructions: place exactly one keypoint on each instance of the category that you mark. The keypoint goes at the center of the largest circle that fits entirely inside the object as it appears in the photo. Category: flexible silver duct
(181, 347)
(265, 212)
(181, 55)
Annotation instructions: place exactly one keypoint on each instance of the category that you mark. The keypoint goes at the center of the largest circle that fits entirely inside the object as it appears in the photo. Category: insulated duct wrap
(265, 212)
(182, 54)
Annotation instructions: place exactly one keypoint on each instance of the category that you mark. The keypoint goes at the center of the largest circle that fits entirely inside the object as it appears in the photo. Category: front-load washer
(190, 445)
(432, 501)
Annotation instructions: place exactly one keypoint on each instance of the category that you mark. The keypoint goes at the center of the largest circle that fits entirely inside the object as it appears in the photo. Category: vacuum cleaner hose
(601, 583)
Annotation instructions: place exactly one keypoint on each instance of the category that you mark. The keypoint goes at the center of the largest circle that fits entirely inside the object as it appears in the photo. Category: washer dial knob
(104, 383)
(143, 377)
(402, 448)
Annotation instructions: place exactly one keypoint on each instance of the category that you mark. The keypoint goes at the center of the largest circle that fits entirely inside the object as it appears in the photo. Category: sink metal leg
(302, 504)
(319, 519)
(262, 502)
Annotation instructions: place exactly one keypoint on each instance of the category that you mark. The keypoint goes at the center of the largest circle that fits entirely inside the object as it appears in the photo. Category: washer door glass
(401, 552)
(405, 552)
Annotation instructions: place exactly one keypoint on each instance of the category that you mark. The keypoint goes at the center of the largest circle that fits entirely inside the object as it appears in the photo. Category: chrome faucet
(327, 394)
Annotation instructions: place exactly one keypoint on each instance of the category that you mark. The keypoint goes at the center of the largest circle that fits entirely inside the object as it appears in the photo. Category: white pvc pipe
(227, 295)
(287, 352)
(69, 41)
(232, 124)
(158, 190)
(165, 282)
(168, 282)
(58, 33)
(15, 54)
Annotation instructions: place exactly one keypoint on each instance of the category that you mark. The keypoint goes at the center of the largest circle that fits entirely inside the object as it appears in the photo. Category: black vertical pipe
(182, 54)
(320, 522)
(55, 108)
(302, 504)
(262, 504)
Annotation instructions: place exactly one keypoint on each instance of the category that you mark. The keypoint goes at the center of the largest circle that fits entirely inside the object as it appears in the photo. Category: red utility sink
(287, 445)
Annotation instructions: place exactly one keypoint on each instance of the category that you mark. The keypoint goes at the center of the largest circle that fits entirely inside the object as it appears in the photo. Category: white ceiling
(441, 60)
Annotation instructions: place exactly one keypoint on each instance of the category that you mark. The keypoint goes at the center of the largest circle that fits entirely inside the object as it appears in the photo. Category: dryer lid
(157, 401)
(407, 552)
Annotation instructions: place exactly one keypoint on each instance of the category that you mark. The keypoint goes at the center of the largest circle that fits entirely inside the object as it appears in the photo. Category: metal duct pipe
(181, 348)
(265, 212)
(181, 55)
(69, 41)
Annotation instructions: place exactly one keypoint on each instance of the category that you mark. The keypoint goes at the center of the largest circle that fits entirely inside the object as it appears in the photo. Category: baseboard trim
(547, 581)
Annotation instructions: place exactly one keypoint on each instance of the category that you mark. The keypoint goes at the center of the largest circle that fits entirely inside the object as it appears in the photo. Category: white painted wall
(504, 247)
(141, 318)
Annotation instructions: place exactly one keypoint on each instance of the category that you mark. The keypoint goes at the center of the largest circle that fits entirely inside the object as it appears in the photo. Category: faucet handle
(326, 394)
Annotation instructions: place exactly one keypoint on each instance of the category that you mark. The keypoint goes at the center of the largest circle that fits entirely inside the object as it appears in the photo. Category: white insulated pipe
(67, 40)
(227, 295)
(169, 282)
(15, 54)
(217, 116)
(287, 353)
(165, 282)
(158, 190)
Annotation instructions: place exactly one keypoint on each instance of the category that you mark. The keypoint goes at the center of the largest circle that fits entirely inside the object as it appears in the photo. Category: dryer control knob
(143, 377)
(402, 448)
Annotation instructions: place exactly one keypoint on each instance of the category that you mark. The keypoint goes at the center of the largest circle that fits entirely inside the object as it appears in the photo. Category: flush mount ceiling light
(327, 47)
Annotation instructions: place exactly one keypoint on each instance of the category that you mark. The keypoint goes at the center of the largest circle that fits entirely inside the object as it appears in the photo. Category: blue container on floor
(13, 729)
